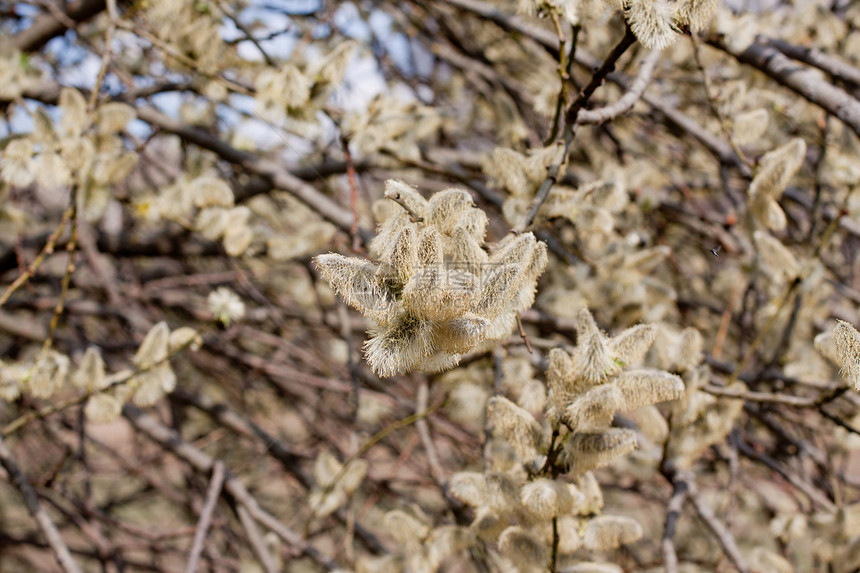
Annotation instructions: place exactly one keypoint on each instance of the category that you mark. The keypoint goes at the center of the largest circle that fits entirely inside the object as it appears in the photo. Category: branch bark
(47, 26)
(52, 534)
(802, 81)
(202, 462)
(212, 496)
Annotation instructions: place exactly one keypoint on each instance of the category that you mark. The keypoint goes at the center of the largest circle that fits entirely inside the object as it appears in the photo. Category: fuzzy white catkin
(696, 13)
(610, 532)
(406, 528)
(102, 408)
(651, 22)
(48, 374)
(749, 126)
(503, 494)
(776, 169)
(469, 487)
(11, 380)
(523, 549)
(777, 261)
(113, 116)
(546, 498)
(489, 524)
(594, 409)
(150, 386)
(646, 386)
(428, 314)
(90, 375)
(518, 426)
(847, 342)
(762, 559)
(74, 108)
(154, 347)
(584, 452)
(631, 345)
(210, 191)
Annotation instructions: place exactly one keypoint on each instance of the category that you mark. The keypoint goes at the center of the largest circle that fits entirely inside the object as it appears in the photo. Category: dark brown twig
(212, 496)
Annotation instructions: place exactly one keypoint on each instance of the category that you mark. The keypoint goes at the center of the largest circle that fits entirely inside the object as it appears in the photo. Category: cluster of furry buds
(435, 292)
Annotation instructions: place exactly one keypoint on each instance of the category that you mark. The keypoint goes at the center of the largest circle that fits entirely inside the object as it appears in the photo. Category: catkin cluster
(521, 498)
(588, 386)
(435, 292)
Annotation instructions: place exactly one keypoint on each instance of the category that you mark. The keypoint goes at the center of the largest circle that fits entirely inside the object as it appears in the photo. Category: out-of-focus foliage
(460, 285)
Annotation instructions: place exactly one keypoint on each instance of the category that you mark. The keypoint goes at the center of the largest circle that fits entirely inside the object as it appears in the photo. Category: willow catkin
(749, 126)
(594, 409)
(610, 532)
(846, 339)
(154, 347)
(646, 386)
(210, 191)
(469, 487)
(90, 375)
(433, 300)
(651, 22)
(776, 260)
(48, 374)
(523, 549)
(546, 498)
(631, 345)
(518, 427)
(587, 451)
(695, 13)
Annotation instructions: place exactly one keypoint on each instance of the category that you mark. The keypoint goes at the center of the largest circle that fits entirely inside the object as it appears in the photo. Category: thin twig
(802, 81)
(71, 248)
(626, 102)
(37, 262)
(711, 99)
(52, 534)
(523, 334)
(353, 193)
(212, 496)
(256, 540)
(813, 494)
(720, 531)
(673, 513)
(424, 431)
(202, 462)
(570, 118)
(228, 11)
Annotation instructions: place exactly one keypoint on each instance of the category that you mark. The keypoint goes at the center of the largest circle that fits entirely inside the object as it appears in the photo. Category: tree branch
(803, 81)
(52, 534)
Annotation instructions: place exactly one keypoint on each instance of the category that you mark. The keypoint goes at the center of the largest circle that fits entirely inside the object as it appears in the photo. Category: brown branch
(720, 531)
(626, 102)
(802, 81)
(837, 68)
(813, 494)
(212, 496)
(571, 116)
(353, 193)
(764, 397)
(48, 249)
(203, 463)
(52, 534)
(48, 26)
(256, 540)
(673, 513)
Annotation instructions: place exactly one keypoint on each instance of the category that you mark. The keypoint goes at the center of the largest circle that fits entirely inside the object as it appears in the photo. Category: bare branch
(803, 81)
(212, 496)
(626, 102)
(52, 534)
